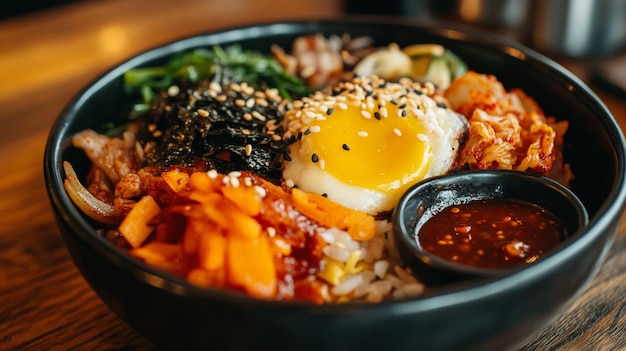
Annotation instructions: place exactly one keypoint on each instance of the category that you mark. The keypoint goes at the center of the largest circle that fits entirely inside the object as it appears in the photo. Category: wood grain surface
(46, 58)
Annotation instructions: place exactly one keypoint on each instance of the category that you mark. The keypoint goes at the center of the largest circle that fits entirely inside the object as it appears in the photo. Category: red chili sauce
(494, 233)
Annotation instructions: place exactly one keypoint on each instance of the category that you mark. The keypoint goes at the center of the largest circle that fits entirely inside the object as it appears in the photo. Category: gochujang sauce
(493, 233)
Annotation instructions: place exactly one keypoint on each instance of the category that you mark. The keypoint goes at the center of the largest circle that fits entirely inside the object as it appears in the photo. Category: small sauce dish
(483, 223)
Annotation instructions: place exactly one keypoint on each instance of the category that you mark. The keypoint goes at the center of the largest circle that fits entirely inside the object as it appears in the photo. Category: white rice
(383, 277)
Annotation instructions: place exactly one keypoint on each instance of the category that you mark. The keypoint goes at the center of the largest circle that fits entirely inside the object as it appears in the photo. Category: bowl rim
(611, 208)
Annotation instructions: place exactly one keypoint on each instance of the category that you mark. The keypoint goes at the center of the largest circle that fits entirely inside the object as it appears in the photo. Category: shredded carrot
(176, 179)
(135, 227)
(212, 251)
(360, 225)
(245, 198)
(251, 266)
(162, 255)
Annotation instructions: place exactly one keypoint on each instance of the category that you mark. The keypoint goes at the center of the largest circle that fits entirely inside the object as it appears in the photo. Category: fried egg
(366, 142)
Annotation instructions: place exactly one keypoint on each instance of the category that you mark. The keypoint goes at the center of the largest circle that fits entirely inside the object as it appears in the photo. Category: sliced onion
(89, 204)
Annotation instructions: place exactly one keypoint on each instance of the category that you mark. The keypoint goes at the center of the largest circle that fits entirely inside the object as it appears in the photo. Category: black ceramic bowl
(432, 196)
(495, 314)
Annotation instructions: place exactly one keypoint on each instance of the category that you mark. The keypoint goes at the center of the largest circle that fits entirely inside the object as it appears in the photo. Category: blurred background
(574, 28)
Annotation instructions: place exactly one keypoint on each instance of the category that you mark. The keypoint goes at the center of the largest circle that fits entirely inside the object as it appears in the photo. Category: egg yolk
(366, 149)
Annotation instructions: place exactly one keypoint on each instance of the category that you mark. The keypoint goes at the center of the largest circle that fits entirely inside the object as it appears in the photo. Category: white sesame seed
(203, 113)
(212, 174)
(250, 103)
(322, 164)
(315, 129)
(289, 183)
(226, 180)
(173, 90)
(366, 114)
(342, 105)
(234, 174)
(383, 112)
(421, 137)
(362, 133)
(258, 116)
(234, 182)
(271, 231)
(247, 181)
(260, 191)
(397, 131)
(215, 87)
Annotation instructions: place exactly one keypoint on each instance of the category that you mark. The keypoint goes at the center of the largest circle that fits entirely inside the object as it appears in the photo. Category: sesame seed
(212, 173)
(322, 164)
(173, 90)
(260, 191)
(330, 111)
(215, 87)
(226, 180)
(248, 90)
(152, 127)
(421, 137)
(258, 116)
(234, 181)
(289, 183)
(250, 103)
(315, 129)
(247, 116)
(315, 158)
(324, 195)
(271, 231)
(240, 103)
(157, 133)
(342, 106)
(345, 147)
(203, 113)
(383, 112)
(307, 131)
(397, 132)
(377, 115)
(247, 181)
(366, 114)
(248, 149)
(362, 133)
(276, 137)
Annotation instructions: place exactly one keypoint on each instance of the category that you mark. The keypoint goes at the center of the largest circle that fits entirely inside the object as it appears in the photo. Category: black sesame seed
(403, 113)
(442, 105)
(287, 157)
(345, 147)
(393, 101)
(299, 135)
(377, 115)
(325, 195)
(330, 111)
(419, 92)
(315, 158)
(307, 131)
(402, 106)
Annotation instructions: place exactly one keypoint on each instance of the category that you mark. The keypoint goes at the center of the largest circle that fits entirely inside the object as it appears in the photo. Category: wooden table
(44, 60)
